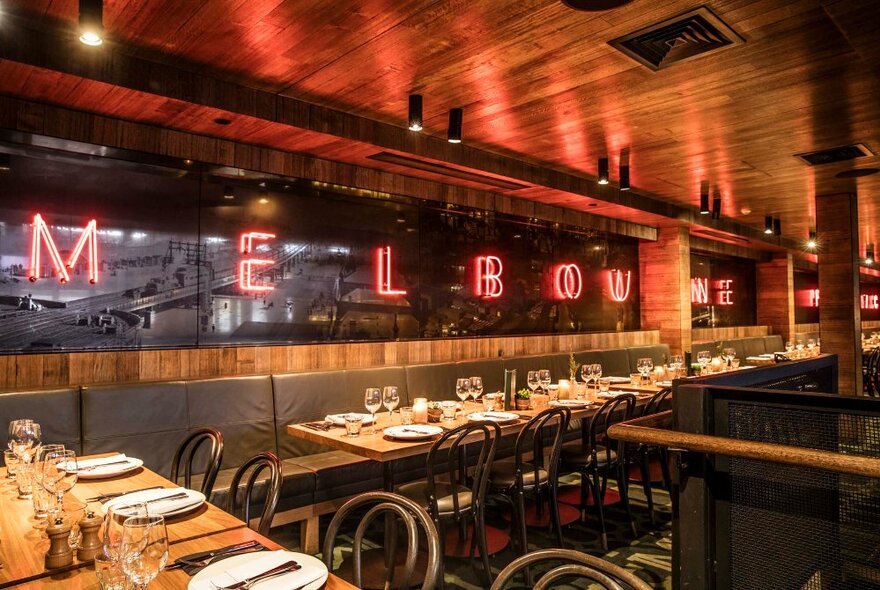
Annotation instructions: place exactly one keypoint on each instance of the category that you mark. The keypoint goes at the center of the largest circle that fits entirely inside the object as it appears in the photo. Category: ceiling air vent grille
(835, 154)
(691, 34)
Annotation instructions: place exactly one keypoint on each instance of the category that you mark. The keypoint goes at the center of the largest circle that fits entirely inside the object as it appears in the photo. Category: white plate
(193, 501)
(101, 472)
(570, 403)
(339, 419)
(613, 394)
(413, 431)
(499, 417)
(664, 383)
(311, 568)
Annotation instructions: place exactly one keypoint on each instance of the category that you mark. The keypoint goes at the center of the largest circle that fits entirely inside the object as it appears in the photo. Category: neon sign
(567, 281)
(618, 290)
(866, 301)
(42, 236)
(870, 301)
(725, 292)
(488, 281)
(813, 295)
(700, 291)
(245, 268)
(383, 273)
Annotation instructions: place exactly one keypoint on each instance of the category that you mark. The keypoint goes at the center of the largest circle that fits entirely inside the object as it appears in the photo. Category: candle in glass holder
(659, 373)
(420, 410)
(715, 365)
(565, 389)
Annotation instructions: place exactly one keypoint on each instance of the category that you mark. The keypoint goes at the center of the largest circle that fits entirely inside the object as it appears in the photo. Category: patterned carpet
(648, 555)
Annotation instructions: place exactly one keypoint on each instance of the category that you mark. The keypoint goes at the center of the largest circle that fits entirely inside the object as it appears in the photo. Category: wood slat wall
(39, 371)
(711, 334)
(665, 286)
(775, 294)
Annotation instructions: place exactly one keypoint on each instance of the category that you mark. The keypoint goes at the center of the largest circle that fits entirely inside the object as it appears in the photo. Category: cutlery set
(284, 568)
(320, 426)
(195, 562)
(104, 497)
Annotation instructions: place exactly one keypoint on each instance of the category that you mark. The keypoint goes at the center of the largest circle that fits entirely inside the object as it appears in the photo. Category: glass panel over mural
(105, 252)
(722, 291)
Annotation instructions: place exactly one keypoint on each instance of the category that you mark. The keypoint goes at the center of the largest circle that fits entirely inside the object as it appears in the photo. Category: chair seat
(574, 455)
(417, 492)
(503, 474)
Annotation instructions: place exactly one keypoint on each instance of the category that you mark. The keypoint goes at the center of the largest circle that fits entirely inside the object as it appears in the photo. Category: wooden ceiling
(539, 82)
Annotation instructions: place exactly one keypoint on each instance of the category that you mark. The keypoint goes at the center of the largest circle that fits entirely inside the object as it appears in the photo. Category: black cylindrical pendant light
(624, 177)
(869, 254)
(91, 22)
(716, 206)
(704, 198)
(603, 170)
(768, 224)
(415, 112)
(5, 162)
(812, 242)
(777, 227)
(228, 193)
(454, 134)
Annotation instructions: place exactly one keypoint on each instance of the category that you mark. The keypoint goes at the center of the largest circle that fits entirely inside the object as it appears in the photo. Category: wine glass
(704, 357)
(60, 472)
(789, 346)
(26, 436)
(676, 362)
(533, 380)
(390, 399)
(144, 549)
(13, 424)
(587, 374)
(463, 389)
(728, 354)
(544, 378)
(43, 502)
(476, 388)
(644, 367)
(811, 344)
(111, 530)
(597, 373)
(373, 401)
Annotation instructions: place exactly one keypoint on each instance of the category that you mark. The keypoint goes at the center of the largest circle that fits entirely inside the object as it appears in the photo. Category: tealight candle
(659, 373)
(420, 410)
(715, 365)
(564, 389)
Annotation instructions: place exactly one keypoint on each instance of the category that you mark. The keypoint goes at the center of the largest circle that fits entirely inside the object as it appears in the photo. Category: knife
(112, 495)
(91, 467)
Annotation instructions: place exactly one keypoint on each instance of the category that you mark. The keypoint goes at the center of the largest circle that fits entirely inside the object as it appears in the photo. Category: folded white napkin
(339, 419)
(155, 505)
(310, 572)
(84, 463)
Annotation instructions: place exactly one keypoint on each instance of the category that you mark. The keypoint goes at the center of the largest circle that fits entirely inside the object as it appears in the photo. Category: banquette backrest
(56, 410)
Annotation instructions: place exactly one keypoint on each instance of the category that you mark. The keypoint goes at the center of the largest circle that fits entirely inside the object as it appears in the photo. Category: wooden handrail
(635, 431)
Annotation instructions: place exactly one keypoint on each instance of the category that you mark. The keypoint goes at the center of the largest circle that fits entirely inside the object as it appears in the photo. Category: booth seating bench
(745, 347)
(150, 420)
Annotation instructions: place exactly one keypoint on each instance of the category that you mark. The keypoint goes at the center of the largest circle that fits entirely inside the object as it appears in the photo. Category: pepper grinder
(90, 544)
(60, 554)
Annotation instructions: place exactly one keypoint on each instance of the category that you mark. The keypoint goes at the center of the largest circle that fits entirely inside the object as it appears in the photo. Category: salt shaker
(60, 554)
(90, 543)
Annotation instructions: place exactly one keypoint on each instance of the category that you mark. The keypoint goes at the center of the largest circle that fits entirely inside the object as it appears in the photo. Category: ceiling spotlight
(716, 206)
(415, 112)
(704, 198)
(777, 227)
(603, 170)
(811, 241)
(5, 162)
(624, 178)
(454, 134)
(768, 224)
(91, 22)
(228, 193)
(869, 254)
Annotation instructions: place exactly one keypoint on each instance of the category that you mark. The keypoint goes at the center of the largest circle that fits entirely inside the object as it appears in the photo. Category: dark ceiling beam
(46, 46)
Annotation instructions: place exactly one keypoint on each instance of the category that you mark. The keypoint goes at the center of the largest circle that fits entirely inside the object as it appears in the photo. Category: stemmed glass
(676, 362)
(587, 374)
(476, 388)
(644, 367)
(533, 380)
(144, 549)
(24, 435)
(704, 357)
(43, 502)
(373, 401)
(463, 390)
(390, 399)
(112, 529)
(60, 472)
(728, 354)
(811, 344)
(544, 378)
(597, 373)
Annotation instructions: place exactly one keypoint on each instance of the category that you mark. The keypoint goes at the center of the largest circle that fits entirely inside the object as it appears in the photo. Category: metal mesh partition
(794, 527)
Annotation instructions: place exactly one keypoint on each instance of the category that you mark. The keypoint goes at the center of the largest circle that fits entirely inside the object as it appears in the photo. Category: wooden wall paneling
(839, 307)
(728, 333)
(775, 295)
(665, 287)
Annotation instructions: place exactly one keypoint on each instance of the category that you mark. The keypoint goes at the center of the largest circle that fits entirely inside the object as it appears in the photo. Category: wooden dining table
(23, 545)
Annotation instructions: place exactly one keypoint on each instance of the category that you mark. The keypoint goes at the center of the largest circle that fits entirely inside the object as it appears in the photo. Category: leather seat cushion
(297, 488)
(503, 474)
(303, 397)
(56, 411)
(573, 455)
(339, 474)
(417, 491)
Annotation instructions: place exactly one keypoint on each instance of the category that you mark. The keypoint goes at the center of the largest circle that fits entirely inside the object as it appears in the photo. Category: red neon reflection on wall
(700, 291)
(488, 281)
(383, 273)
(866, 301)
(245, 267)
(41, 236)
(567, 281)
(618, 285)
(725, 292)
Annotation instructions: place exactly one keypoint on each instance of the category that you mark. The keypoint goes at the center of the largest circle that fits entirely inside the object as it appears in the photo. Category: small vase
(522, 404)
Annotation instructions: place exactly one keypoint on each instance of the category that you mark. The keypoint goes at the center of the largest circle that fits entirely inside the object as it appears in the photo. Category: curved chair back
(187, 451)
(259, 463)
(617, 409)
(573, 564)
(548, 426)
(872, 377)
(456, 463)
(412, 516)
(656, 402)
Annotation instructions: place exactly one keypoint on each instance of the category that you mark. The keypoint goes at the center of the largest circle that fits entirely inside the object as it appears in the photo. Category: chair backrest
(572, 565)
(412, 516)
(456, 463)
(872, 379)
(656, 402)
(257, 464)
(187, 451)
(617, 409)
(548, 426)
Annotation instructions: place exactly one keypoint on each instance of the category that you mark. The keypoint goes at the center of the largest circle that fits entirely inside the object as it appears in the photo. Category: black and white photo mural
(105, 249)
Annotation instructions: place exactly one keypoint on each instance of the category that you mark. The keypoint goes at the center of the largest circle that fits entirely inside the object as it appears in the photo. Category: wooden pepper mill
(60, 554)
(90, 544)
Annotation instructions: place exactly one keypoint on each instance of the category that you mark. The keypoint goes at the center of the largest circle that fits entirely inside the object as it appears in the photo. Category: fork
(247, 584)
(209, 558)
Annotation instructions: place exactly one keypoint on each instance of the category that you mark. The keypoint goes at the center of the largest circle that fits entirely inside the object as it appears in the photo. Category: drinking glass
(476, 388)
(811, 344)
(44, 503)
(390, 399)
(109, 573)
(789, 346)
(13, 424)
(144, 550)
(406, 415)
(728, 354)
(587, 374)
(373, 401)
(676, 362)
(449, 408)
(597, 372)
(604, 384)
(353, 424)
(533, 380)
(24, 476)
(645, 366)
(25, 438)
(799, 345)
(544, 378)
(11, 461)
(463, 390)
(111, 530)
(59, 475)
(488, 403)
(704, 357)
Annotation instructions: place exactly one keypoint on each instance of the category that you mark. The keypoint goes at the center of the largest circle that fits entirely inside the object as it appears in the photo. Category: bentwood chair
(597, 458)
(413, 517)
(186, 452)
(511, 479)
(445, 492)
(256, 465)
(643, 455)
(572, 565)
